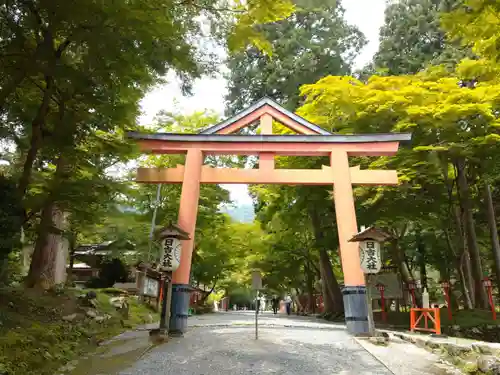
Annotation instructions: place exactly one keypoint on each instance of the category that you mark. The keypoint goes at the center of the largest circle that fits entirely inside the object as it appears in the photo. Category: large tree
(313, 42)
(72, 75)
(412, 37)
(453, 129)
(476, 24)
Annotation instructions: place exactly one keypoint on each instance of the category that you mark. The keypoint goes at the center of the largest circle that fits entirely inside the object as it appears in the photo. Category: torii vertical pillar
(188, 211)
(354, 292)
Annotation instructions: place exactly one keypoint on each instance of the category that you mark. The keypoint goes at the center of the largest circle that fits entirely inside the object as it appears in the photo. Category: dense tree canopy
(443, 210)
(412, 37)
(71, 77)
(476, 24)
(70, 85)
(311, 43)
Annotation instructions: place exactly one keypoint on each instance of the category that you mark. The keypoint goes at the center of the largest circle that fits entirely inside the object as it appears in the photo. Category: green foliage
(476, 24)
(225, 254)
(312, 43)
(71, 78)
(448, 123)
(10, 217)
(411, 37)
(249, 15)
(241, 297)
(218, 246)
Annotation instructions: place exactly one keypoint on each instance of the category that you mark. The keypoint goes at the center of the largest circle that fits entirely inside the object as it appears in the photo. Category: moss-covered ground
(35, 339)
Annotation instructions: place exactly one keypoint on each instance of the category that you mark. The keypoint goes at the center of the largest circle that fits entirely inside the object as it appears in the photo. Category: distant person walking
(276, 304)
(288, 304)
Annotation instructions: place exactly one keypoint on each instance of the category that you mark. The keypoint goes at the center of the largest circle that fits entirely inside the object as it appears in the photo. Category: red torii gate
(311, 141)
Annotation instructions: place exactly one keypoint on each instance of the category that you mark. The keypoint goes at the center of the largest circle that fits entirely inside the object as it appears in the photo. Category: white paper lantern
(369, 253)
(171, 254)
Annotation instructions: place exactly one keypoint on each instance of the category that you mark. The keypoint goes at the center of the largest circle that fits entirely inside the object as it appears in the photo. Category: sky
(209, 92)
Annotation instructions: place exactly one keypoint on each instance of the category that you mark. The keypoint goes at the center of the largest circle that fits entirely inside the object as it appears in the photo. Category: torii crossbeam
(311, 141)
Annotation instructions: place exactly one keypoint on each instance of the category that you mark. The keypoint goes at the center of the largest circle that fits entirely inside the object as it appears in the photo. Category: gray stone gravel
(404, 358)
(224, 343)
(306, 348)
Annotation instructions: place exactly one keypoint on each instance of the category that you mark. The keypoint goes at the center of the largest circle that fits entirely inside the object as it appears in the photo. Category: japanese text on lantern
(370, 257)
(371, 261)
(168, 253)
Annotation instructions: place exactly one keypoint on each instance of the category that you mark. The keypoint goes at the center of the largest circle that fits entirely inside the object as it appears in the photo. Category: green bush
(11, 219)
(203, 309)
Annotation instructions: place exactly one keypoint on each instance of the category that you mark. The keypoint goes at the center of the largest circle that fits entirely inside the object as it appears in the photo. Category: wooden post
(371, 322)
(412, 320)
(159, 297)
(256, 315)
(163, 314)
(487, 283)
(437, 321)
(168, 292)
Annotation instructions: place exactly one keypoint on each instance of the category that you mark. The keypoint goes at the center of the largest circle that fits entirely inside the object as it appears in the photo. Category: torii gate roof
(284, 138)
(254, 108)
(312, 140)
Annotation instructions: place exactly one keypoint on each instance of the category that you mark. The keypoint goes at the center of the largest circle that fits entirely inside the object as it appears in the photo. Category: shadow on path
(224, 351)
(224, 343)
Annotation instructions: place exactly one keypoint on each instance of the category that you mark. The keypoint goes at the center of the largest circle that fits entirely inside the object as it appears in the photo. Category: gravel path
(224, 343)
(220, 351)
(404, 358)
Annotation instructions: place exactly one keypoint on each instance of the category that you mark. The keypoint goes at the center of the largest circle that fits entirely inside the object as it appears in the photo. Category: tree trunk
(37, 126)
(422, 259)
(332, 287)
(206, 294)
(463, 268)
(466, 261)
(399, 257)
(400, 260)
(48, 254)
(495, 244)
(468, 281)
(331, 282)
(296, 298)
(328, 303)
(310, 289)
(460, 269)
(45, 48)
(463, 260)
(43, 271)
(477, 270)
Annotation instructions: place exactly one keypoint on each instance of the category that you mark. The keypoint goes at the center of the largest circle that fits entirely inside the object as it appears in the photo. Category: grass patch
(34, 337)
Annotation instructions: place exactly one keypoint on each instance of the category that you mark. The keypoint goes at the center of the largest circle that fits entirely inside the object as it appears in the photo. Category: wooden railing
(428, 315)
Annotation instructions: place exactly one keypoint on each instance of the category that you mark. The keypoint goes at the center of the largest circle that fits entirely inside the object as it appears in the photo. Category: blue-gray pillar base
(356, 310)
(179, 309)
